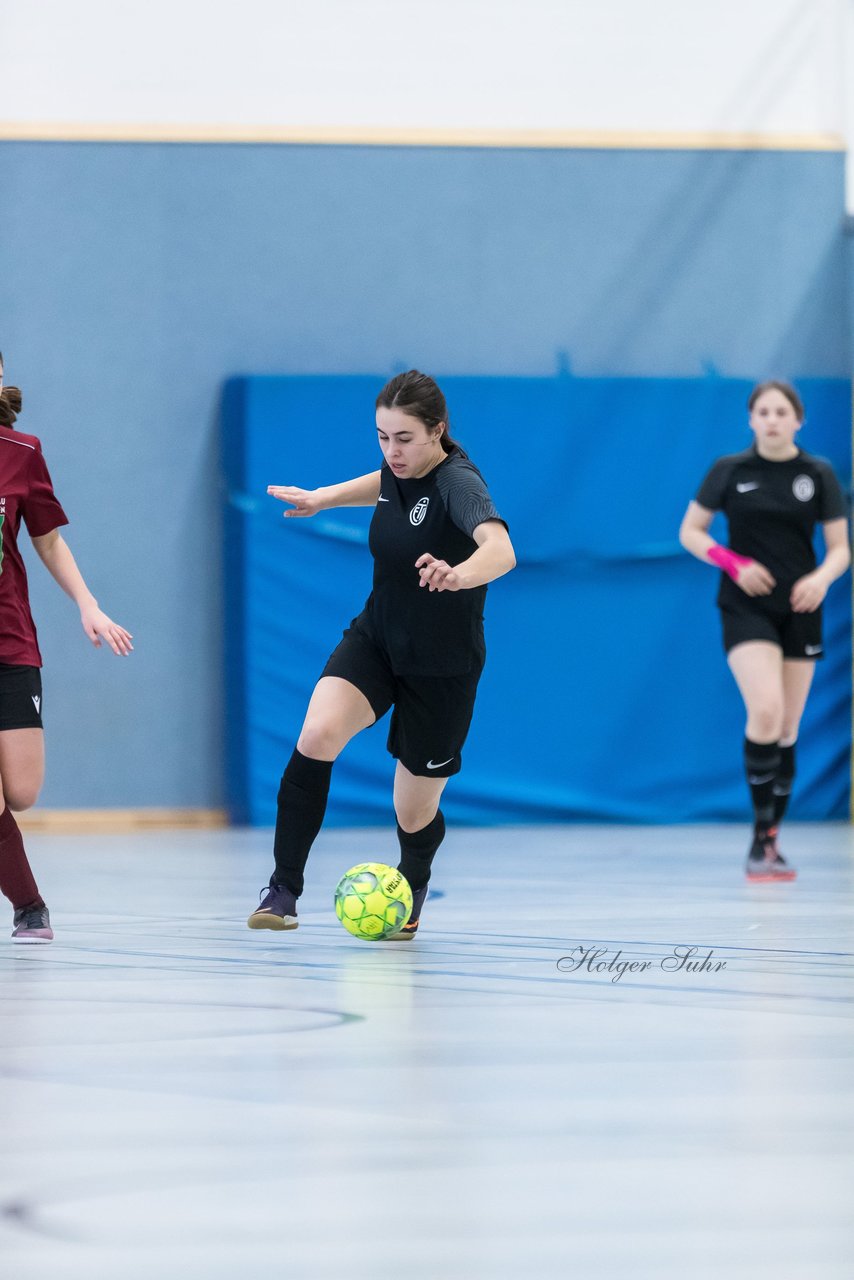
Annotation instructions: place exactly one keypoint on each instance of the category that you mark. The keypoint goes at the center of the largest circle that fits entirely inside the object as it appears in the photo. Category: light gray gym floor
(183, 1098)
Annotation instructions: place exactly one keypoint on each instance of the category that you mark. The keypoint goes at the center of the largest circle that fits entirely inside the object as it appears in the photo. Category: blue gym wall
(605, 695)
(137, 277)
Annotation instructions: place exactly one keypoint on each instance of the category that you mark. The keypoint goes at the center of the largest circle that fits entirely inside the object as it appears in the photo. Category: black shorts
(20, 697)
(797, 634)
(432, 714)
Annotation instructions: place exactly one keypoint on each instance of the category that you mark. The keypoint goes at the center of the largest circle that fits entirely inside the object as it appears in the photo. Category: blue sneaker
(32, 925)
(276, 910)
(409, 930)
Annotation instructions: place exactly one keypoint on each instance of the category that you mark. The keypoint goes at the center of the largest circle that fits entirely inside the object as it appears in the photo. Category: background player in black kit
(437, 540)
(771, 591)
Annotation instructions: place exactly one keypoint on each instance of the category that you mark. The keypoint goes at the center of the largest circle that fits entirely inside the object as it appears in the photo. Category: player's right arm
(753, 578)
(364, 491)
(694, 531)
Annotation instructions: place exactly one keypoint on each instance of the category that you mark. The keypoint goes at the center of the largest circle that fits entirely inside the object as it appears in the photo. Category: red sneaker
(765, 863)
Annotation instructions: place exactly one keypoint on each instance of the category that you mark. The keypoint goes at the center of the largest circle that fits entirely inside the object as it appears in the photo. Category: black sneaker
(765, 863)
(409, 930)
(32, 925)
(276, 910)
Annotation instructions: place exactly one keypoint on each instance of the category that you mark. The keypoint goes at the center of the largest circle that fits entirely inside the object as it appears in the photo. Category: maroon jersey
(25, 491)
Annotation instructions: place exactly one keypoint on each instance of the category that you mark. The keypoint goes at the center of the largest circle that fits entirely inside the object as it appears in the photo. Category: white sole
(263, 920)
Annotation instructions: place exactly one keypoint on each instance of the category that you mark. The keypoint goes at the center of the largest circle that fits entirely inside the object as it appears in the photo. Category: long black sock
(418, 849)
(783, 782)
(761, 762)
(303, 793)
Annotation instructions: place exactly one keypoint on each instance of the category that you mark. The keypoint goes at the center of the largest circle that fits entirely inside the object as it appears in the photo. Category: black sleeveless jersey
(772, 509)
(424, 632)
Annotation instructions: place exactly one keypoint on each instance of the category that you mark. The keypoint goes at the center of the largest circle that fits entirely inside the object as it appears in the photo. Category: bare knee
(764, 726)
(414, 817)
(21, 797)
(765, 722)
(322, 738)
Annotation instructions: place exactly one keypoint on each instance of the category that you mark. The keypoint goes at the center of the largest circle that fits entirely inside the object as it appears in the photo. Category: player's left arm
(56, 556)
(809, 591)
(494, 557)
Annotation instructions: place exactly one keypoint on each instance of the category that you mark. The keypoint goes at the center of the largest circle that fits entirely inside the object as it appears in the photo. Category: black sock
(761, 762)
(418, 849)
(302, 803)
(783, 782)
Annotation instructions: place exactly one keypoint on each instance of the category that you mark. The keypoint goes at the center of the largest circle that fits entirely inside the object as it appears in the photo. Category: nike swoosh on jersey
(746, 488)
(431, 765)
(381, 499)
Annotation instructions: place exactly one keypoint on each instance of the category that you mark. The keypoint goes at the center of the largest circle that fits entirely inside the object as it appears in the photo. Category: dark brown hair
(10, 402)
(418, 396)
(785, 388)
(10, 405)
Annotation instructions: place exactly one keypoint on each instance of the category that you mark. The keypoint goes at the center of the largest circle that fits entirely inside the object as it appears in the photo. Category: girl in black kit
(437, 540)
(771, 592)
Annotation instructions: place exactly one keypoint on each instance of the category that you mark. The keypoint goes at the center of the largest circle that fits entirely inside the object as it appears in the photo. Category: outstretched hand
(305, 502)
(99, 627)
(438, 575)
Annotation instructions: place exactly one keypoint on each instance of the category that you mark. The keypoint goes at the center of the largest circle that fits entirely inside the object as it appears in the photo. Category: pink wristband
(729, 561)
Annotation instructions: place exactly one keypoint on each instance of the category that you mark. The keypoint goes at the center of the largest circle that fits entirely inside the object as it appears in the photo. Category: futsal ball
(373, 900)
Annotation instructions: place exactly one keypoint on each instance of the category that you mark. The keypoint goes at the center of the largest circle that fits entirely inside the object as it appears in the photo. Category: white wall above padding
(768, 66)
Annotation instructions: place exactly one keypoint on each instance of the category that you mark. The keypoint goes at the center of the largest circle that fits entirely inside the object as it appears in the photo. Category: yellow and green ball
(373, 900)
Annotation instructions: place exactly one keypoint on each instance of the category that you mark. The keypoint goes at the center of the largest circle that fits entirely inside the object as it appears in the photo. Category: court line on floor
(321, 970)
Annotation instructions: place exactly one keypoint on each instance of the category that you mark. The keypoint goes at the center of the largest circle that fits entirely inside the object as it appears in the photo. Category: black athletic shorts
(797, 634)
(20, 697)
(432, 714)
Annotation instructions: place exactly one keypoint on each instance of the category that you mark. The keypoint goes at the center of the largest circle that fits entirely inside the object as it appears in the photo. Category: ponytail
(10, 405)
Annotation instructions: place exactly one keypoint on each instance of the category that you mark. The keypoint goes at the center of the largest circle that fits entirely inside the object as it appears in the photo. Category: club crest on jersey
(419, 511)
(803, 488)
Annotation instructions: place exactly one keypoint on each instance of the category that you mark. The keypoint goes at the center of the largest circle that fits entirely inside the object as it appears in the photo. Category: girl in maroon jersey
(26, 492)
